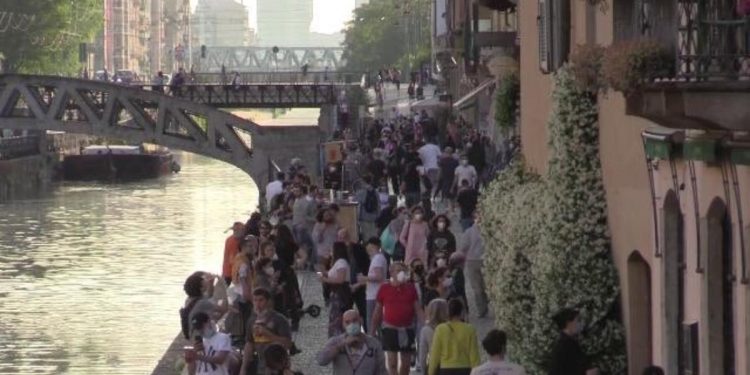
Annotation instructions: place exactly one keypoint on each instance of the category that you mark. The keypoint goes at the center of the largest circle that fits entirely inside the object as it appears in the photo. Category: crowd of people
(394, 286)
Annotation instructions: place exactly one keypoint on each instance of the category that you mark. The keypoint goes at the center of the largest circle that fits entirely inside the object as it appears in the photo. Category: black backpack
(371, 201)
(184, 315)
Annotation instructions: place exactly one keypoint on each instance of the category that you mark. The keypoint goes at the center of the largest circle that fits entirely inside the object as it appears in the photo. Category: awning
(466, 100)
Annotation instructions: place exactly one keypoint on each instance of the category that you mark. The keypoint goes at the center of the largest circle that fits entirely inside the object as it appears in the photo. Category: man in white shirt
(212, 354)
(274, 188)
(465, 171)
(375, 276)
(494, 344)
(430, 154)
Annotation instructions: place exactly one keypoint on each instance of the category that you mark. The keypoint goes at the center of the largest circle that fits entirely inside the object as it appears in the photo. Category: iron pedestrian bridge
(139, 116)
(264, 59)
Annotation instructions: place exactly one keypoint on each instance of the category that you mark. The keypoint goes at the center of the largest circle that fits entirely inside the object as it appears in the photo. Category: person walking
(567, 357)
(265, 327)
(441, 242)
(467, 199)
(397, 308)
(437, 313)
(324, 234)
(274, 188)
(414, 236)
(369, 208)
(338, 280)
(495, 344)
(376, 275)
(304, 210)
(353, 352)
(430, 155)
(472, 246)
(454, 349)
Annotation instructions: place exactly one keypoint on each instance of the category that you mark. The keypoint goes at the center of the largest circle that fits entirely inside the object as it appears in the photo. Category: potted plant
(628, 65)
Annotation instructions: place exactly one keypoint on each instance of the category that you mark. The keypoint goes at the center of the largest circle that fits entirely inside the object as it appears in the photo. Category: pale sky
(329, 15)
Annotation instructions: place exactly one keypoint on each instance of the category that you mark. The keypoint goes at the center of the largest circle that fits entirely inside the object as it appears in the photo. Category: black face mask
(419, 270)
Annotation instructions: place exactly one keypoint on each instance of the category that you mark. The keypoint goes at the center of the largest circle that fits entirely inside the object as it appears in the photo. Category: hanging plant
(628, 65)
(506, 101)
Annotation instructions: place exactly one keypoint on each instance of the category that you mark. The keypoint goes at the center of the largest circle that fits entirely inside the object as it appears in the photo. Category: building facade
(675, 161)
(221, 23)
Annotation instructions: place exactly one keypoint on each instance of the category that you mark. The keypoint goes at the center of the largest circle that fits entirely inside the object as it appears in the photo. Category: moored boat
(110, 162)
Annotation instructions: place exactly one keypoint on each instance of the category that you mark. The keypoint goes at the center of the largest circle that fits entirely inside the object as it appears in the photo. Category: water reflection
(91, 276)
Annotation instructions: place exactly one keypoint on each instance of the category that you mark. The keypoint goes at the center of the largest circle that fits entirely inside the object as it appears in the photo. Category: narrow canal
(91, 275)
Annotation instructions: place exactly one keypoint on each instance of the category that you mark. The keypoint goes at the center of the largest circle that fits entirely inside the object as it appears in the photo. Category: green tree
(388, 33)
(43, 36)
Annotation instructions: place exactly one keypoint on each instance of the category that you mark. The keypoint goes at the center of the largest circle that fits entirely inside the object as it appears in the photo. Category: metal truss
(255, 95)
(263, 59)
(134, 115)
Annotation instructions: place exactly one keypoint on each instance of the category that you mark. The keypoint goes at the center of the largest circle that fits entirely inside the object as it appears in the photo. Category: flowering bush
(547, 241)
(627, 65)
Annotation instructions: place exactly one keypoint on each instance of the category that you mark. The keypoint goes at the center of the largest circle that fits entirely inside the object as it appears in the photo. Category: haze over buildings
(221, 23)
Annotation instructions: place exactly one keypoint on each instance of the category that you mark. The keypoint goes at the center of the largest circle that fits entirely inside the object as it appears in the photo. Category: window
(554, 34)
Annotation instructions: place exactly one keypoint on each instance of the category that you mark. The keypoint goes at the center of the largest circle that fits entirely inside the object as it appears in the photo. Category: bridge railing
(279, 77)
(17, 147)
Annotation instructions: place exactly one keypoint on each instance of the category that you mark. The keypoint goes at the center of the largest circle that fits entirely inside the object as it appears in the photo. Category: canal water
(91, 275)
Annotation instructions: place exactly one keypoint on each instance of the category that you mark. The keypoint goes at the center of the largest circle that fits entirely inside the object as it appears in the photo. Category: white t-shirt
(468, 173)
(220, 342)
(498, 368)
(378, 261)
(429, 153)
(339, 265)
(273, 189)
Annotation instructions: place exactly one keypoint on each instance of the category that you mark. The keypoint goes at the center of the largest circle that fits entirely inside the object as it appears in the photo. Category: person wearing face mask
(441, 242)
(464, 171)
(397, 309)
(414, 237)
(211, 354)
(353, 352)
(338, 279)
(376, 275)
(567, 357)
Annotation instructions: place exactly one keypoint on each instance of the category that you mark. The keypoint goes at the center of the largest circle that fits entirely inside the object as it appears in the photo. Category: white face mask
(441, 225)
(402, 277)
(447, 282)
(268, 271)
(440, 262)
(417, 216)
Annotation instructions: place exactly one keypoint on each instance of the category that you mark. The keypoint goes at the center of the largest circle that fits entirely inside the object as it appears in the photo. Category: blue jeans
(304, 239)
(368, 316)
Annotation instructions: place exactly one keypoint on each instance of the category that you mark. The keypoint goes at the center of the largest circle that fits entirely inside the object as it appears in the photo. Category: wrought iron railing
(17, 147)
(713, 40)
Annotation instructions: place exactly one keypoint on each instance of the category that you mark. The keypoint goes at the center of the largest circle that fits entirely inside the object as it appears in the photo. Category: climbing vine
(548, 244)
(506, 101)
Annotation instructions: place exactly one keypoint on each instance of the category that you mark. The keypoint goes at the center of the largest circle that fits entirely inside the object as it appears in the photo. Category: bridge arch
(134, 115)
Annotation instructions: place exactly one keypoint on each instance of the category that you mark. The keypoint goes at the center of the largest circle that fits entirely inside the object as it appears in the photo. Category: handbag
(388, 241)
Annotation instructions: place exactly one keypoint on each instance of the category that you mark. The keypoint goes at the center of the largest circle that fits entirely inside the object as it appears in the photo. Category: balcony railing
(17, 147)
(713, 41)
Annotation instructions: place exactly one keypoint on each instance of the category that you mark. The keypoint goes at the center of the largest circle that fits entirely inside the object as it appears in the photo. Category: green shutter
(740, 156)
(658, 149)
(700, 150)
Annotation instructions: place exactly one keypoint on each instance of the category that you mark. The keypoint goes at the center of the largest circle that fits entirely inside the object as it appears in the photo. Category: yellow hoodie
(454, 346)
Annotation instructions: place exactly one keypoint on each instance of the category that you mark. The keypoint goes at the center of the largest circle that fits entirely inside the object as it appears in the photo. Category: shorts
(391, 343)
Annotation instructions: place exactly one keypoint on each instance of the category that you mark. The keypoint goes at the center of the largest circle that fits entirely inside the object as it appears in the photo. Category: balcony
(711, 88)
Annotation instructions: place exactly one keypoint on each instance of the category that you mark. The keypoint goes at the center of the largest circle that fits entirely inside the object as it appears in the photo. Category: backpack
(184, 315)
(371, 201)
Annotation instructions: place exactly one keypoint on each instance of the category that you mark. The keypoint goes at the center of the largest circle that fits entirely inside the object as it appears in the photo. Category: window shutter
(560, 32)
(545, 35)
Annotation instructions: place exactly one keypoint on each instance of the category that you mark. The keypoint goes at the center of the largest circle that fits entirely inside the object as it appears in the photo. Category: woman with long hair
(437, 313)
(441, 243)
(341, 295)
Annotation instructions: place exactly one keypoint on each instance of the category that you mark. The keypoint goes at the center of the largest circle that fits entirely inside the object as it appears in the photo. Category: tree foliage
(43, 36)
(548, 243)
(388, 33)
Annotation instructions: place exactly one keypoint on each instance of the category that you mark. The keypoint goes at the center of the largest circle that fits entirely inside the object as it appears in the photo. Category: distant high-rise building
(221, 23)
(284, 23)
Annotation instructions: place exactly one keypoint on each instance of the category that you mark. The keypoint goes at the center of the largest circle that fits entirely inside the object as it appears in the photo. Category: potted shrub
(628, 65)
